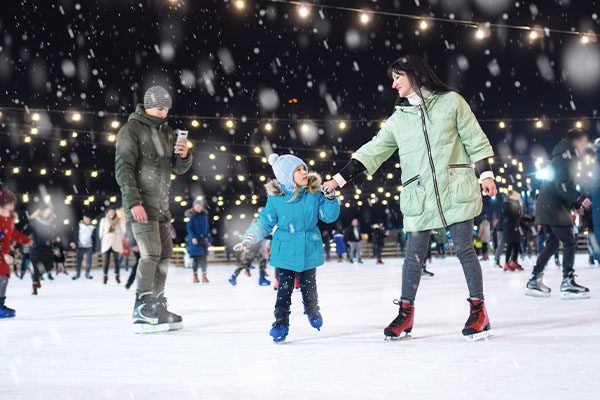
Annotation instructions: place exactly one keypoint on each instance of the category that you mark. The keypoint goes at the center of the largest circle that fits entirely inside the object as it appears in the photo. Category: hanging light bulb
(115, 124)
(364, 18)
(501, 124)
(230, 124)
(268, 127)
(303, 11)
(35, 117)
(240, 4)
(195, 123)
(342, 125)
(423, 25)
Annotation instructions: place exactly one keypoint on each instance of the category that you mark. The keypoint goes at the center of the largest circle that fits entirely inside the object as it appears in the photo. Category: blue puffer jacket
(197, 227)
(297, 243)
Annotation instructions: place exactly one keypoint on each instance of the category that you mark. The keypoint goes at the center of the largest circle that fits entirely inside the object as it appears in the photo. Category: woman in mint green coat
(443, 151)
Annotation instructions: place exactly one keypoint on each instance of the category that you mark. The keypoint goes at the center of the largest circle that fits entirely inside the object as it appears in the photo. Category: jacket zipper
(460, 166)
(411, 180)
(435, 184)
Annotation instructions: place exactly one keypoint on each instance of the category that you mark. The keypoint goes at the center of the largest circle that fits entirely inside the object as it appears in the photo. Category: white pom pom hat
(284, 167)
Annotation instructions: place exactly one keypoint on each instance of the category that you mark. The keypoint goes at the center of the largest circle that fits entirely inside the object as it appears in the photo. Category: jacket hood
(140, 115)
(274, 188)
(190, 212)
(565, 150)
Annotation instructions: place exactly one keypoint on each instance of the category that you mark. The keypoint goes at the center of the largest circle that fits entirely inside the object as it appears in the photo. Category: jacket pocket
(463, 183)
(283, 245)
(412, 197)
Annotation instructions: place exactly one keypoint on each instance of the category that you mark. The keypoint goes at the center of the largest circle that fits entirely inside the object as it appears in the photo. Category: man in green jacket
(146, 156)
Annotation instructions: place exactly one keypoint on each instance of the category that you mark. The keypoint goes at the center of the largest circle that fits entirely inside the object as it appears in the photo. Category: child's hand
(327, 193)
(243, 246)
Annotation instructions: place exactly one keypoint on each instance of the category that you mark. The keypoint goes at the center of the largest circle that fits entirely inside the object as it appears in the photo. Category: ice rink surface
(74, 340)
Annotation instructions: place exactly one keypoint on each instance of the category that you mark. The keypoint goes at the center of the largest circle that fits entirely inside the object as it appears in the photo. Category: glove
(328, 194)
(243, 246)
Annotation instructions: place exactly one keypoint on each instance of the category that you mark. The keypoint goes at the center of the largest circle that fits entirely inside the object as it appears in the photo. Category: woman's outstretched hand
(489, 187)
(330, 185)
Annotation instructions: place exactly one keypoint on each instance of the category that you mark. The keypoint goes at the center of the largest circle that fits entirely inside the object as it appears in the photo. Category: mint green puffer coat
(437, 150)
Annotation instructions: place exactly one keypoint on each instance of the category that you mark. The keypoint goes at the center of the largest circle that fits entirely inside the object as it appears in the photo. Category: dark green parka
(144, 164)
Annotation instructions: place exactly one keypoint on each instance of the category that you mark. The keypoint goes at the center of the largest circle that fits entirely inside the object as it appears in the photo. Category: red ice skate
(478, 324)
(403, 322)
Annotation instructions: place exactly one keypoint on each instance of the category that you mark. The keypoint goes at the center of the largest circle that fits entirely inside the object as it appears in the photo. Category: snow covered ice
(74, 340)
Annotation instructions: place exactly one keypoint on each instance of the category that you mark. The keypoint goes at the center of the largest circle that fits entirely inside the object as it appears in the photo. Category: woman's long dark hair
(419, 75)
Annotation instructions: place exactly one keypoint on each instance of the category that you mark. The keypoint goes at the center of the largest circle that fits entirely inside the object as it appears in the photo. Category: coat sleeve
(378, 150)
(19, 237)
(189, 226)
(472, 136)
(102, 228)
(127, 153)
(266, 221)
(329, 210)
(563, 182)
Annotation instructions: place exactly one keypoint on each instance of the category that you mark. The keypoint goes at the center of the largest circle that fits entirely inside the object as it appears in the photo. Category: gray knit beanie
(157, 96)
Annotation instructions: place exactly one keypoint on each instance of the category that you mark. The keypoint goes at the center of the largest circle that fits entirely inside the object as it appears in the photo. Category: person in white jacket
(112, 231)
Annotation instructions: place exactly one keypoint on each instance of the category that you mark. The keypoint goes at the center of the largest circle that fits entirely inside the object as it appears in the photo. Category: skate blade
(536, 293)
(478, 336)
(403, 336)
(575, 296)
(176, 326)
(147, 328)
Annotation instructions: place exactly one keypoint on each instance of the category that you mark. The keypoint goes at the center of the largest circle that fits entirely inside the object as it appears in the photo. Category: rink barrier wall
(217, 254)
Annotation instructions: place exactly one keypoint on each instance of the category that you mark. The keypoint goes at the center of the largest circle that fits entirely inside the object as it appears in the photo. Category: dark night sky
(101, 55)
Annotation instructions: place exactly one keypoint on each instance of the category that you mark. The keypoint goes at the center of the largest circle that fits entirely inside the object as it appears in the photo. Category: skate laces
(475, 310)
(403, 314)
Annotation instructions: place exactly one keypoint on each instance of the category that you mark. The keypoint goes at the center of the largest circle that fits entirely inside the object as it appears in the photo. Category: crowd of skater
(445, 165)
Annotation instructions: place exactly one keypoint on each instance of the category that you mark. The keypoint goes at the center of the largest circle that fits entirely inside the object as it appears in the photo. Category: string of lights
(424, 22)
(267, 124)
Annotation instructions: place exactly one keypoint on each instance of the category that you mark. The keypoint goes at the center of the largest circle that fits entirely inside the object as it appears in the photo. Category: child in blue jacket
(295, 203)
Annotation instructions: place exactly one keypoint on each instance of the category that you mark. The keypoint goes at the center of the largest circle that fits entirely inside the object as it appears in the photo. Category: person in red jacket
(8, 236)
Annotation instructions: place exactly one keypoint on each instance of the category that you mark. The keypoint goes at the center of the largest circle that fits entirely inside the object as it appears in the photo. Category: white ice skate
(571, 290)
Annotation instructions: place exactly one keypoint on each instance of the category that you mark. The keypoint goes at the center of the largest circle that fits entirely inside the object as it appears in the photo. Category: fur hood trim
(274, 188)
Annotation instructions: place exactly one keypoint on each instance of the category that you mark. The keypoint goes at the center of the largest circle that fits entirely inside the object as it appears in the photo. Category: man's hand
(73, 245)
(139, 214)
(195, 241)
(489, 187)
(181, 148)
(330, 186)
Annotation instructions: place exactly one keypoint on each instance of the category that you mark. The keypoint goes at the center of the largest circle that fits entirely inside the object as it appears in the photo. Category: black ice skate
(569, 289)
(145, 318)
(536, 287)
(165, 316)
(425, 272)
